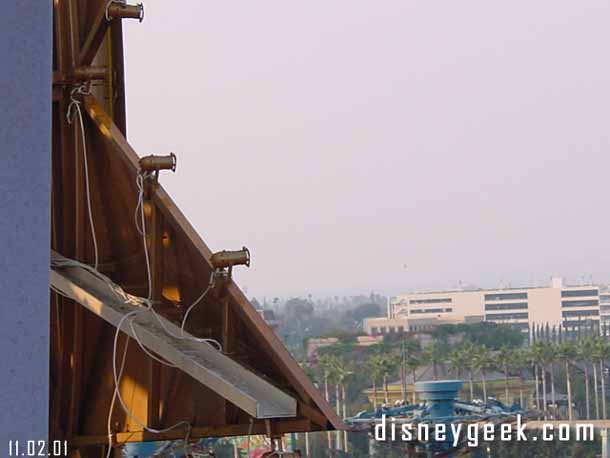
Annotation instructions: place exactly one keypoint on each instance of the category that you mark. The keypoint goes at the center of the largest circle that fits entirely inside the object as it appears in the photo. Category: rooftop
(492, 290)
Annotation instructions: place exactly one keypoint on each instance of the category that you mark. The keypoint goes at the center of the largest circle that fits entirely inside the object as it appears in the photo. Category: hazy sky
(382, 145)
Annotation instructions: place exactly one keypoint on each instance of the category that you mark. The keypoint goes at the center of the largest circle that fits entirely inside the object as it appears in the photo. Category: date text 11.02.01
(29, 448)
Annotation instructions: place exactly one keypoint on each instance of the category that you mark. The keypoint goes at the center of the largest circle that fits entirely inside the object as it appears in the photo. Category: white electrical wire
(140, 177)
(142, 229)
(188, 310)
(120, 398)
(75, 106)
(140, 184)
(114, 394)
(181, 336)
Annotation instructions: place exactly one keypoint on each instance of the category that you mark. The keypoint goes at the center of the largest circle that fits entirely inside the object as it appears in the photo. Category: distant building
(604, 306)
(557, 305)
(383, 326)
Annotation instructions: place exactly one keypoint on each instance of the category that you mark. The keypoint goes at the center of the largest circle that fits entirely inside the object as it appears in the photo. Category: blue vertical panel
(25, 165)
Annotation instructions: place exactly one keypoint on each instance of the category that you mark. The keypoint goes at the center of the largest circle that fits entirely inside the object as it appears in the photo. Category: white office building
(555, 305)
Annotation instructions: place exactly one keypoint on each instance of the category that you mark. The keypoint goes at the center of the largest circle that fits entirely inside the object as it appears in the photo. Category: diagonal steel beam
(94, 38)
(207, 365)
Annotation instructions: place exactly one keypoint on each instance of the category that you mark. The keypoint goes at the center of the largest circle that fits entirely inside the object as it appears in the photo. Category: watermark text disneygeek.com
(391, 429)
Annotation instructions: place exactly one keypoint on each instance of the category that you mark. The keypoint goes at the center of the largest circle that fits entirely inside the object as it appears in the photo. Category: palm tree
(343, 373)
(551, 358)
(547, 356)
(434, 355)
(504, 358)
(333, 372)
(456, 362)
(467, 349)
(334, 377)
(585, 352)
(376, 369)
(326, 363)
(308, 369)
(602, 353)
(531, 359)
(403, 382)
(594, 362)
(519, 362)
(408, 348)
(481, 362)
(538, 350)
(412, 362)
(566, 353)
(389, 363)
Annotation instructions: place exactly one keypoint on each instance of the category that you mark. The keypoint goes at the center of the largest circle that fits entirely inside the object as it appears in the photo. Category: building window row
(579, 323)
(521, 326)
(507, 306)
(440, 300)
(505, 296)
(580, 303)
(384, 330)
(446, 310)
(506, 316)
(582, 313)
(579, 293)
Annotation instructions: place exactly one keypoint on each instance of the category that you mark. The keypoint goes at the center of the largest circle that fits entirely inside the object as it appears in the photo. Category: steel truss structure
(94, 181)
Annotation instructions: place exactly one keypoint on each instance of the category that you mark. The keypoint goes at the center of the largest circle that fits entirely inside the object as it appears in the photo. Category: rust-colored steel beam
(156, 266)
(79, 74)
(94, 38)
(283, 427)
(85, 73)
(81, 239)
(69, 213)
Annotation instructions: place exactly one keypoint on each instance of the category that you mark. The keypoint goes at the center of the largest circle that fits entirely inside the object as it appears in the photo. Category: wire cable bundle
(75, 106)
